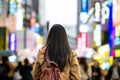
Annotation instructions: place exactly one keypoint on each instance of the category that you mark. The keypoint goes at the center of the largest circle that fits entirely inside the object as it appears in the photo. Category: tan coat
(71, 70)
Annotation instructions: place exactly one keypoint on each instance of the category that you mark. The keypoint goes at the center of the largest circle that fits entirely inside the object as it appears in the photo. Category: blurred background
(93, 27)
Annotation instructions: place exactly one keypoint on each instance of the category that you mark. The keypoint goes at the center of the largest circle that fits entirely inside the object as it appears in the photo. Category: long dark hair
(57, 46)
(83, 62)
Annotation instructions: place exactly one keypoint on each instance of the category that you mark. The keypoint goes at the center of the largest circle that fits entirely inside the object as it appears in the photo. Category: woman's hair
(57, 46)
(83, 62)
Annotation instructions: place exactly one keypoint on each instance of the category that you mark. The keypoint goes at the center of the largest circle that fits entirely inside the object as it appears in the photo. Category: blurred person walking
(96, 71)
(85, 70)
(6, 69)
(104, 74)
(17, 72)
(26, 70)
(114, 71)
(59, 51)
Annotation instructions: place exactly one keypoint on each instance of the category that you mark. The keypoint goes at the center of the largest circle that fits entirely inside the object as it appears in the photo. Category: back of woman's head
(57, 35)
(57, 45)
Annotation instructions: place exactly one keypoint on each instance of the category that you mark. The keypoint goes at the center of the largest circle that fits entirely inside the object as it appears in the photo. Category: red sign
(82, 41)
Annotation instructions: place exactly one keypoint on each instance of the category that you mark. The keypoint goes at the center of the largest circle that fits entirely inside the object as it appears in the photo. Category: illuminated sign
(12, 7)
(83, 17)
(12, 42)
(82, 41)
(84, 6)
(1, 6)
(110, 29)
(117, 53)
(84, 11)
(105, 12)
(117, 30)
(19, 19)
(97, 35)
(84, 28)
(97, 12)
(104, 50)
(117, 41)
(116, 12)
(32, 22)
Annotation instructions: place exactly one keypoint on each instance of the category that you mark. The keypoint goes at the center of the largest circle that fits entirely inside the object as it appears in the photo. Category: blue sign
(1, 6)
(110, 28)
(12, 7)
(117, 41)
(84, 6)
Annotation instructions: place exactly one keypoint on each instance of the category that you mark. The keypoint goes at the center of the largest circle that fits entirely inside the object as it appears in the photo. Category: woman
(59, 51)
(84, 69)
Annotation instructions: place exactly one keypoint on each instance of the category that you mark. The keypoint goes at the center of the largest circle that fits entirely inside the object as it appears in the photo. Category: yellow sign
(117, 52)
(117, 30)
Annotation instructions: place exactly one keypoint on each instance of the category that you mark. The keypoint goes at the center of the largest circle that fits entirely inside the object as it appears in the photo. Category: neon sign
(82, 40)
(97, 35)
(84, 6)
(1, 6)
(12, 7)
(105, 12)
(12, 42)
(97, 12)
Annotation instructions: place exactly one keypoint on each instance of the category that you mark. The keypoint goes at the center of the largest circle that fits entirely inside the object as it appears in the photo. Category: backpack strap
(46, 58)
(50, 62)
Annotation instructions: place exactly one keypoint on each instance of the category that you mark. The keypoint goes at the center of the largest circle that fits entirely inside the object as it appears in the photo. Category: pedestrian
(85, 70)
(96, 71)
(17, 72)
(59, 51)
(114, 71)
(26, 70)
(6, 69)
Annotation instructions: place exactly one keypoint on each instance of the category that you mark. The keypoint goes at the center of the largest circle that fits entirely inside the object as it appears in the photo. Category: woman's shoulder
(40, 55)
(73, 53)
(42, 50)
(73, 56)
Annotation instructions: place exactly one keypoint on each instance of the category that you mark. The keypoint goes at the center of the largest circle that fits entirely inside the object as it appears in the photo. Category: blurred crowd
(18, 71)
(23, 70)
(94, 72)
